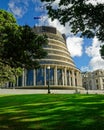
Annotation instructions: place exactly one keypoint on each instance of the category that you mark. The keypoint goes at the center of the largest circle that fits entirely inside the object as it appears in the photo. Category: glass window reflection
(59, 76)
(29, 76)
(40, 76)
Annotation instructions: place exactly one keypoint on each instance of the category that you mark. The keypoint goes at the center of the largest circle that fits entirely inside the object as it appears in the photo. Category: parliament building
(57, 69)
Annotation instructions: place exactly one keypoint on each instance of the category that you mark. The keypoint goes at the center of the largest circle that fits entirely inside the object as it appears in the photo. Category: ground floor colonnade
(57, 76)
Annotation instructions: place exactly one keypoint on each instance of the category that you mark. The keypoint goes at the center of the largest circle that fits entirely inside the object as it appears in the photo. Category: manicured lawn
(52, 112)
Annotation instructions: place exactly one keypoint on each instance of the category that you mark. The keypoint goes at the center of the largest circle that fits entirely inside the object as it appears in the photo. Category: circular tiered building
(57, 69)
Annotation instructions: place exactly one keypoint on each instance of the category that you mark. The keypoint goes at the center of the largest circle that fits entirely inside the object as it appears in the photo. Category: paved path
(41, 91)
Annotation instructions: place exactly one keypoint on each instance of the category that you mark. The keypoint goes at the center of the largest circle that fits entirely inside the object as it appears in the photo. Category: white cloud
(92, 51)
(94, 2)
(85, 68)
(48, 22)
(18, 7)
(74, 45)
(96, 63)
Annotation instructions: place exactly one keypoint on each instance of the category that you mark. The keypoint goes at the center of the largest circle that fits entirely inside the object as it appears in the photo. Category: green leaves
(84, 18)
(20, 47)
(8, 74)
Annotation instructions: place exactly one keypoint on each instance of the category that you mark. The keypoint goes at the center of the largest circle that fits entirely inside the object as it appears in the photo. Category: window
(29, 77)
(40, 76)
(97, 86)
(50, 73)
(96, 80)
(59, 76)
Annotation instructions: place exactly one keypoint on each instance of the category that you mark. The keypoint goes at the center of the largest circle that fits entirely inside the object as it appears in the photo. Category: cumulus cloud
(47, 21)
(92, 51)
(96, 63)
(74, 45)
(18, 8)
(94, 2)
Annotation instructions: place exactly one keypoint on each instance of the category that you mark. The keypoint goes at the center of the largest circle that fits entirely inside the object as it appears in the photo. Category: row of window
(56, 62)
(59, 52)
(55, 47)
(57, 43)
(97, 80)
(60, 58)
(53, 36)
(40, 79)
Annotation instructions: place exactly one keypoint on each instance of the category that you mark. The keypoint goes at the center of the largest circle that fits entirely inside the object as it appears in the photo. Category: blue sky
(85, 52)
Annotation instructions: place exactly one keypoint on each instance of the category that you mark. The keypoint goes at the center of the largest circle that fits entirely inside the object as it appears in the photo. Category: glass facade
(29, 78)
(59, 76)
(62, 67)
(40, 76)
(20, 81)
(68, 77)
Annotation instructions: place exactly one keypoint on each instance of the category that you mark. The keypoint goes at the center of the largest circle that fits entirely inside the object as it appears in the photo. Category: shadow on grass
(52, 112)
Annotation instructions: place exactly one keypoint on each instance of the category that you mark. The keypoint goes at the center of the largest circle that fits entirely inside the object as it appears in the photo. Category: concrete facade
(57, 68)
(93, 80)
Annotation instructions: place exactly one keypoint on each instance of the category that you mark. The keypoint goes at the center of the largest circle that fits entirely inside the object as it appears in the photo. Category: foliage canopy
(20, 47)
(83, 17)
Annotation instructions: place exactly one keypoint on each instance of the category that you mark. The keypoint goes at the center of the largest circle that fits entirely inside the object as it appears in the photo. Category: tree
(19, 45)
(9, 74)
(82, 16)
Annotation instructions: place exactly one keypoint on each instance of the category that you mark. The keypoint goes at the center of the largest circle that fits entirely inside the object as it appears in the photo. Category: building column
(7, 85)
(55, 75)
(78, 78)
(73, 78)
(23, 78)
(45, 80)
(69, 79)
(34, 77)
(65, 76)
(17, 81)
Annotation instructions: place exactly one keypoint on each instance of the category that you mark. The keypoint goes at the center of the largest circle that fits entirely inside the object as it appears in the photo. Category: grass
(52, 112)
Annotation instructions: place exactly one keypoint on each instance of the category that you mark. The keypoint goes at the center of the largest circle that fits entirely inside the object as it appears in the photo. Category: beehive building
(57, 68)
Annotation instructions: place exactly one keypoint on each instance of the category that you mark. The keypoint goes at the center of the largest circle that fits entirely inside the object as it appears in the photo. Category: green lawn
(52, 112)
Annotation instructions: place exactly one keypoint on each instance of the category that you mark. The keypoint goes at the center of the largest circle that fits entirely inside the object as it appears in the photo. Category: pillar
(65, 76)
(73, 78)
(23, 76)
(34, 77)
(17, 81)
(78, 78)
(45, 76)
(69, 79)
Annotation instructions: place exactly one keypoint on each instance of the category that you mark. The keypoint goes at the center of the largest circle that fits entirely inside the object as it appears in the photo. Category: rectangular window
(96, 80)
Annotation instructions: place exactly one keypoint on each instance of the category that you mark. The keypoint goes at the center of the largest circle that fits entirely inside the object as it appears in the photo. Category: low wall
(45, 91)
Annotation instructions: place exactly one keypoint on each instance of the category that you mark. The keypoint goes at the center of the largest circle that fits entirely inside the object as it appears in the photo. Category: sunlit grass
(52, 112)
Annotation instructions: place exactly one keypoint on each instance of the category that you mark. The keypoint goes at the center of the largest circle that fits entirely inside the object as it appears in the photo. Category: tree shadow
(52, 112)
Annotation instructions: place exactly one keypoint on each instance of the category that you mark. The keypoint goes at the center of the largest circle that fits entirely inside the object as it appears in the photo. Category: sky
(85, 52)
